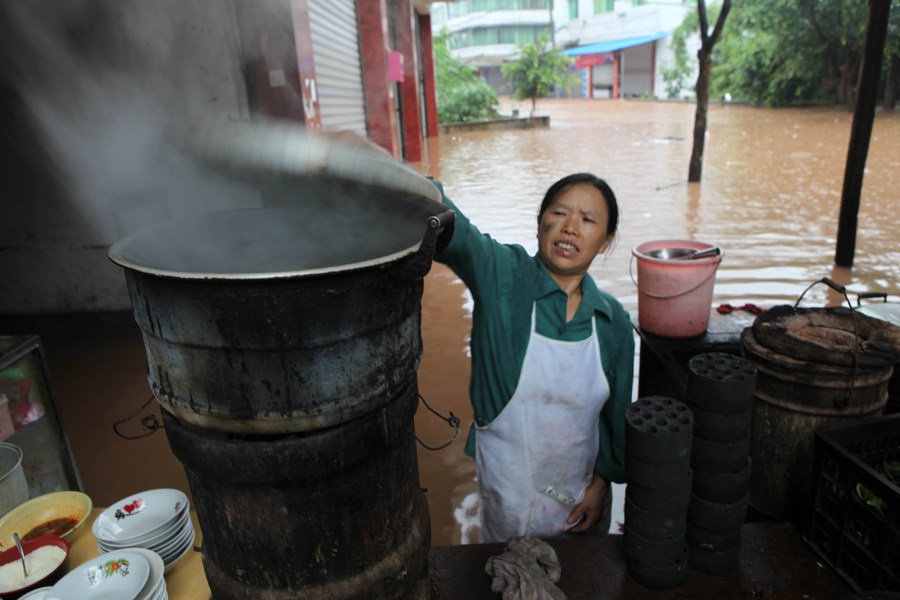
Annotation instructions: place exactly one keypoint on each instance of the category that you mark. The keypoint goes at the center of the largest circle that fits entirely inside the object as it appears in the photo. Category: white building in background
(620, 46)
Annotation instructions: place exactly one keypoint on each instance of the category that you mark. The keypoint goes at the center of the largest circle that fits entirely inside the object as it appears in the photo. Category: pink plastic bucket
(674, 295)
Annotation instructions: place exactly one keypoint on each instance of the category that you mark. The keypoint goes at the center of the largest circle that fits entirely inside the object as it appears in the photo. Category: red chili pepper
(725, 309)
(753, 309)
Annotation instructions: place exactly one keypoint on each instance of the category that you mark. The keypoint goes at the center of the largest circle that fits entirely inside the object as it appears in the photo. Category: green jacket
(505, 283)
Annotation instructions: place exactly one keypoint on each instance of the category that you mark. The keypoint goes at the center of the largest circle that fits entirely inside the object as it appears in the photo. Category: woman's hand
(590, 509)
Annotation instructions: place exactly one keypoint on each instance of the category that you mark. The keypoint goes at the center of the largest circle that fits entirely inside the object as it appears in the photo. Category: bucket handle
(662, 297)
(841, 403)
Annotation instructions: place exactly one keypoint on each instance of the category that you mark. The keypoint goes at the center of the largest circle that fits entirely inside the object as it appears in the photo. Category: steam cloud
(97, 86)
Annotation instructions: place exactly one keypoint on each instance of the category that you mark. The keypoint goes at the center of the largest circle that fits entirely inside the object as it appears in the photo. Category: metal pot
(297, 315)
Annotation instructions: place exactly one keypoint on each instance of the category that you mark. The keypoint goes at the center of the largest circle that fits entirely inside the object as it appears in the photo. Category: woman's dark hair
(568, 181)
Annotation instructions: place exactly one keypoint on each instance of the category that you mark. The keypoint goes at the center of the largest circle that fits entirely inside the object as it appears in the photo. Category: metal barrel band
(669, 297)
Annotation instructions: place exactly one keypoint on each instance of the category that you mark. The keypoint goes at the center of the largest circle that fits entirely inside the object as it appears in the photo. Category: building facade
(620, 46)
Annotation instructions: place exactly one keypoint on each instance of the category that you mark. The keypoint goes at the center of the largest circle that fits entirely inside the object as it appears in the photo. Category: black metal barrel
(282, 354)
(336, 513)
(800, 389)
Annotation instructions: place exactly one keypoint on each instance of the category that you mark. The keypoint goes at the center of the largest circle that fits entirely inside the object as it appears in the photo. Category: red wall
(381, 120)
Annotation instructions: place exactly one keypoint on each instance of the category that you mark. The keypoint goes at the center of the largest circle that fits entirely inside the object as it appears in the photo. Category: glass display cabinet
(29, 417)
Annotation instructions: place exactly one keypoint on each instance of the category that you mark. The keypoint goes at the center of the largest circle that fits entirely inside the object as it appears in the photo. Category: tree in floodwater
(461, 94)
(704, 66)
(538, 69)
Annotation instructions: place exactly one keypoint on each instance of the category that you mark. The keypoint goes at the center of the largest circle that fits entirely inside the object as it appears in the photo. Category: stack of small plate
(130, 574)
(157, 520)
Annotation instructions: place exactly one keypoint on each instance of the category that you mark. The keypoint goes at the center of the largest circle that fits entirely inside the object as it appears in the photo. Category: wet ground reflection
(770, 197)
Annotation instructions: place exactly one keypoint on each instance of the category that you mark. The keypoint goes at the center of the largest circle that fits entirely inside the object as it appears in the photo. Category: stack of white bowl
(157, 520)
(130, 574)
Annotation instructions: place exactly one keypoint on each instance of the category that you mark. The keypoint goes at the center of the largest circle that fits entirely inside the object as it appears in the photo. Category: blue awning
(613, 45)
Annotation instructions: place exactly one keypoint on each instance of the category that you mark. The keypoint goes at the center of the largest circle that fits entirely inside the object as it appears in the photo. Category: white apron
(536, 459)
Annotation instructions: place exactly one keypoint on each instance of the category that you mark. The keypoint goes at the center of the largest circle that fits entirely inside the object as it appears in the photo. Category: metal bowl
(671, 253)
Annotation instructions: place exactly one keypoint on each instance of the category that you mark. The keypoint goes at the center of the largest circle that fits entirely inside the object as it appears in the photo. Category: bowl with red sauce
(58, 514)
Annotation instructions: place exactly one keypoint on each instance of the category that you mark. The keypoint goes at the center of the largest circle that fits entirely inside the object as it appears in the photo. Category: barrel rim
(639, 250)
(116, 255)
(262, 149)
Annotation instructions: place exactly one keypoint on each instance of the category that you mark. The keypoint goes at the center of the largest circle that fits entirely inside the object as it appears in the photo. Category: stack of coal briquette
(658, 439)
(720, 395)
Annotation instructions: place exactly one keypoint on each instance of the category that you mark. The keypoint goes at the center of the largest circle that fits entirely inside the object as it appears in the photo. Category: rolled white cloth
(528, 569)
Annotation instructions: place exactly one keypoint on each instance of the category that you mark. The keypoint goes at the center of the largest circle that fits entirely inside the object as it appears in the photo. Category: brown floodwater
(770, 198)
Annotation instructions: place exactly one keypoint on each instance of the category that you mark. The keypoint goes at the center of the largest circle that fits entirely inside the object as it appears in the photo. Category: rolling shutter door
(338, 73)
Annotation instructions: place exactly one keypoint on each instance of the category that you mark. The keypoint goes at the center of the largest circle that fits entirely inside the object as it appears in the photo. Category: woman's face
(572, 231)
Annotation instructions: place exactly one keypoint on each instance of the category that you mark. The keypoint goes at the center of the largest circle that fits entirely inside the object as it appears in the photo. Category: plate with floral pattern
(110, 576)
(140, 516)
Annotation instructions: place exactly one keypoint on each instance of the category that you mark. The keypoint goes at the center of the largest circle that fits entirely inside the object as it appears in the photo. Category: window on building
(603, 6)
(459, 8)
(488, 36)
(573, 9)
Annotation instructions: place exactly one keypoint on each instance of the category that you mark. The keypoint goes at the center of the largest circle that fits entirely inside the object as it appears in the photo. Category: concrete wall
(90, 94)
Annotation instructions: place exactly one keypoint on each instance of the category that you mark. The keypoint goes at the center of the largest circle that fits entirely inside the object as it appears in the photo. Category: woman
(552, 366)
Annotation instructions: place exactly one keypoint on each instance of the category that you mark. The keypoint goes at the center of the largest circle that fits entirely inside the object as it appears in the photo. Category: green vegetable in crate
(867, 496)
(891, 471)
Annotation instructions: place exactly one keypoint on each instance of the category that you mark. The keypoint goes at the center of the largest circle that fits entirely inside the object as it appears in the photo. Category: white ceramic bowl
(171, 561)
(112, 576)
(156, 581)
(140, 516)
(37, 594)
(176, 543)
(151, 541)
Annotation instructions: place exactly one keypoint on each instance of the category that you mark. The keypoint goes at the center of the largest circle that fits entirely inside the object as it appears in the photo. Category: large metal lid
(327, 206)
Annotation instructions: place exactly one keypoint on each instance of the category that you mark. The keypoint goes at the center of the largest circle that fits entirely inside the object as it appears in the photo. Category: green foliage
(538, 69)
(783, 52)
(461, 94)
(468, 101)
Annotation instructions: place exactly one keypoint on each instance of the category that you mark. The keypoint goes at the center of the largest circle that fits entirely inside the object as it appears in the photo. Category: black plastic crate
(860, 539)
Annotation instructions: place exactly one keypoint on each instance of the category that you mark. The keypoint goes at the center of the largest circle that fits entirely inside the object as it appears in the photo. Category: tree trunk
(704, 58)
(861, 131)
(890, 84)
(847, 91)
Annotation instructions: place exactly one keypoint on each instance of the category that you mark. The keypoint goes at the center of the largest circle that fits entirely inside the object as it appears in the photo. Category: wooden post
(861, 131)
